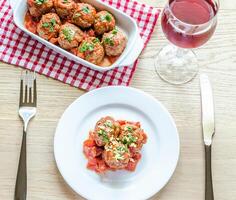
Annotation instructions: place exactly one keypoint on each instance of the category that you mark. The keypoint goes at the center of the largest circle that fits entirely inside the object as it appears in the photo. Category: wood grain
(217, 58)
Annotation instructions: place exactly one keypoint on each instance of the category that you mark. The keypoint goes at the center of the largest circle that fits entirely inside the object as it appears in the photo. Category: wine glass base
(176, 65)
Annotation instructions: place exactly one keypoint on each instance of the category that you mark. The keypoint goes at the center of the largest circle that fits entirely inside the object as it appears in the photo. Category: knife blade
(208, 117)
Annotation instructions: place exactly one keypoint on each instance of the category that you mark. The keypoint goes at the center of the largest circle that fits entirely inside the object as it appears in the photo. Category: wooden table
(217, 58)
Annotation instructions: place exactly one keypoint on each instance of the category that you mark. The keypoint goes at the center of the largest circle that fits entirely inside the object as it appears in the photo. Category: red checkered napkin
(19, 49)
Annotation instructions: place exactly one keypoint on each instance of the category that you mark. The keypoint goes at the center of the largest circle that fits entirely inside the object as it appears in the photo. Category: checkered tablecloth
(19, 49)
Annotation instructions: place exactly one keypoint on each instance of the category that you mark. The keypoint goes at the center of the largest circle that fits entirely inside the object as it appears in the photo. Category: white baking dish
(124, 22)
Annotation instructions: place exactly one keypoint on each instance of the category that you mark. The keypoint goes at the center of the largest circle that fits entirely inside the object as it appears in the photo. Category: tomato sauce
(94, 155)
(30, 23)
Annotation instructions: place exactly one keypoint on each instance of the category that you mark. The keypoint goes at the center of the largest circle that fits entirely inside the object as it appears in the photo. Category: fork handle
(209, 195)
(21, 180)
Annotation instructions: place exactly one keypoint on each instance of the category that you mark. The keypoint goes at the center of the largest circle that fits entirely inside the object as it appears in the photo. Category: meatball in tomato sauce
(84, 15)
(70, 36)
(106, 128)
(91, 50)
(104, 22)
(114, 42)
(39, 7)
(64, 8)
(116, 155)
(49, 26)
(132, 136)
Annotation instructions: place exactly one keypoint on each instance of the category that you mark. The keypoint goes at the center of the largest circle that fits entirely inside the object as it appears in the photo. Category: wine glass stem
(176, 65)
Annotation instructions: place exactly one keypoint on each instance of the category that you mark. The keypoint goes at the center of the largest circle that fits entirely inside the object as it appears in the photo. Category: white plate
(159, 155)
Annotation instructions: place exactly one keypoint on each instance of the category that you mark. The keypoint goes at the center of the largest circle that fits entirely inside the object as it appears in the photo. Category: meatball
(91, 50)
(49, 26)
(39, 7)
(116, 155)
(64, 8)
(105, 129)
(84, 15)
(104, 22)
(132, 136)
(70, 36)
(114, 42)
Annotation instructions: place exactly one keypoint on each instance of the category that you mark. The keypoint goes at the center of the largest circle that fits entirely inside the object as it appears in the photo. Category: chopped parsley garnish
(108, 123)
(107, 17)
(122, 149)
(53, 21)
(129, 128)
(68, 33)
(86, 9)
(45, 25)
(65, 1)
(86, 47)
(115, 31)
(119, 152)
(129, 139)
(50, 24)
(76, 15)
(40, 2)
(104, 135)
(96, 40)
(109, 41)
(41, 33)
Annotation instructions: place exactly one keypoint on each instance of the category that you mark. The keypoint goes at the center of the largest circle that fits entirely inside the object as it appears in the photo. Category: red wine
(189, 23)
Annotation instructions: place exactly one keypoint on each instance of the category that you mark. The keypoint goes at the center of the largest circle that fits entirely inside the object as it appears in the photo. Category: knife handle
(209, 195)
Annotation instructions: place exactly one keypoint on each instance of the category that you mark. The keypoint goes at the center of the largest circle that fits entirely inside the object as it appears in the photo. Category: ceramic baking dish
(123, 21)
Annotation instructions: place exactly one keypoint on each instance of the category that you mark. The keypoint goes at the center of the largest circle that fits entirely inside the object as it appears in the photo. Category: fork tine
(26, 86)
(30, 95)
(21, 89)
(35, 91)
(30, 82)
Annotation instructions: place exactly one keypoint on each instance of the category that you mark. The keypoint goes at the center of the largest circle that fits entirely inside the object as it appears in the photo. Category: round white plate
(159, 155)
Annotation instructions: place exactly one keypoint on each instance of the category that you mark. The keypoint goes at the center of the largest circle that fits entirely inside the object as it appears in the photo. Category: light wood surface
(217, 58)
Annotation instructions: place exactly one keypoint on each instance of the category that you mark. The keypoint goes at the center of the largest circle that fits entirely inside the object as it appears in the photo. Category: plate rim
(126, 88)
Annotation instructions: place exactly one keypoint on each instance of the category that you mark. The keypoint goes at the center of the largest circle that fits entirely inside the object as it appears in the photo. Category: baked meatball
(114, 42)
(39, 7)
(64, 8)
(106, 128)
(84, 15)
(116, 155)
(133, 137)
(91, 50)
(70, 36)
(49, 26)
(104, 22)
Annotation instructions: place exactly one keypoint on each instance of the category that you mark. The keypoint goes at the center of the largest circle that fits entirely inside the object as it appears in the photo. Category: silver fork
(27, 110)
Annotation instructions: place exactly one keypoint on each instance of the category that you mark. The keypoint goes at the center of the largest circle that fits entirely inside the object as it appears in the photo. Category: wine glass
(187, 24)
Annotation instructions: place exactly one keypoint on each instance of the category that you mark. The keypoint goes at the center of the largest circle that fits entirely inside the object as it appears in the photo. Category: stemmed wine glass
(187, 24)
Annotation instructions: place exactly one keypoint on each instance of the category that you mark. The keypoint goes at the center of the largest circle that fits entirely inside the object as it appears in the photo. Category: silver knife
(208, 128)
